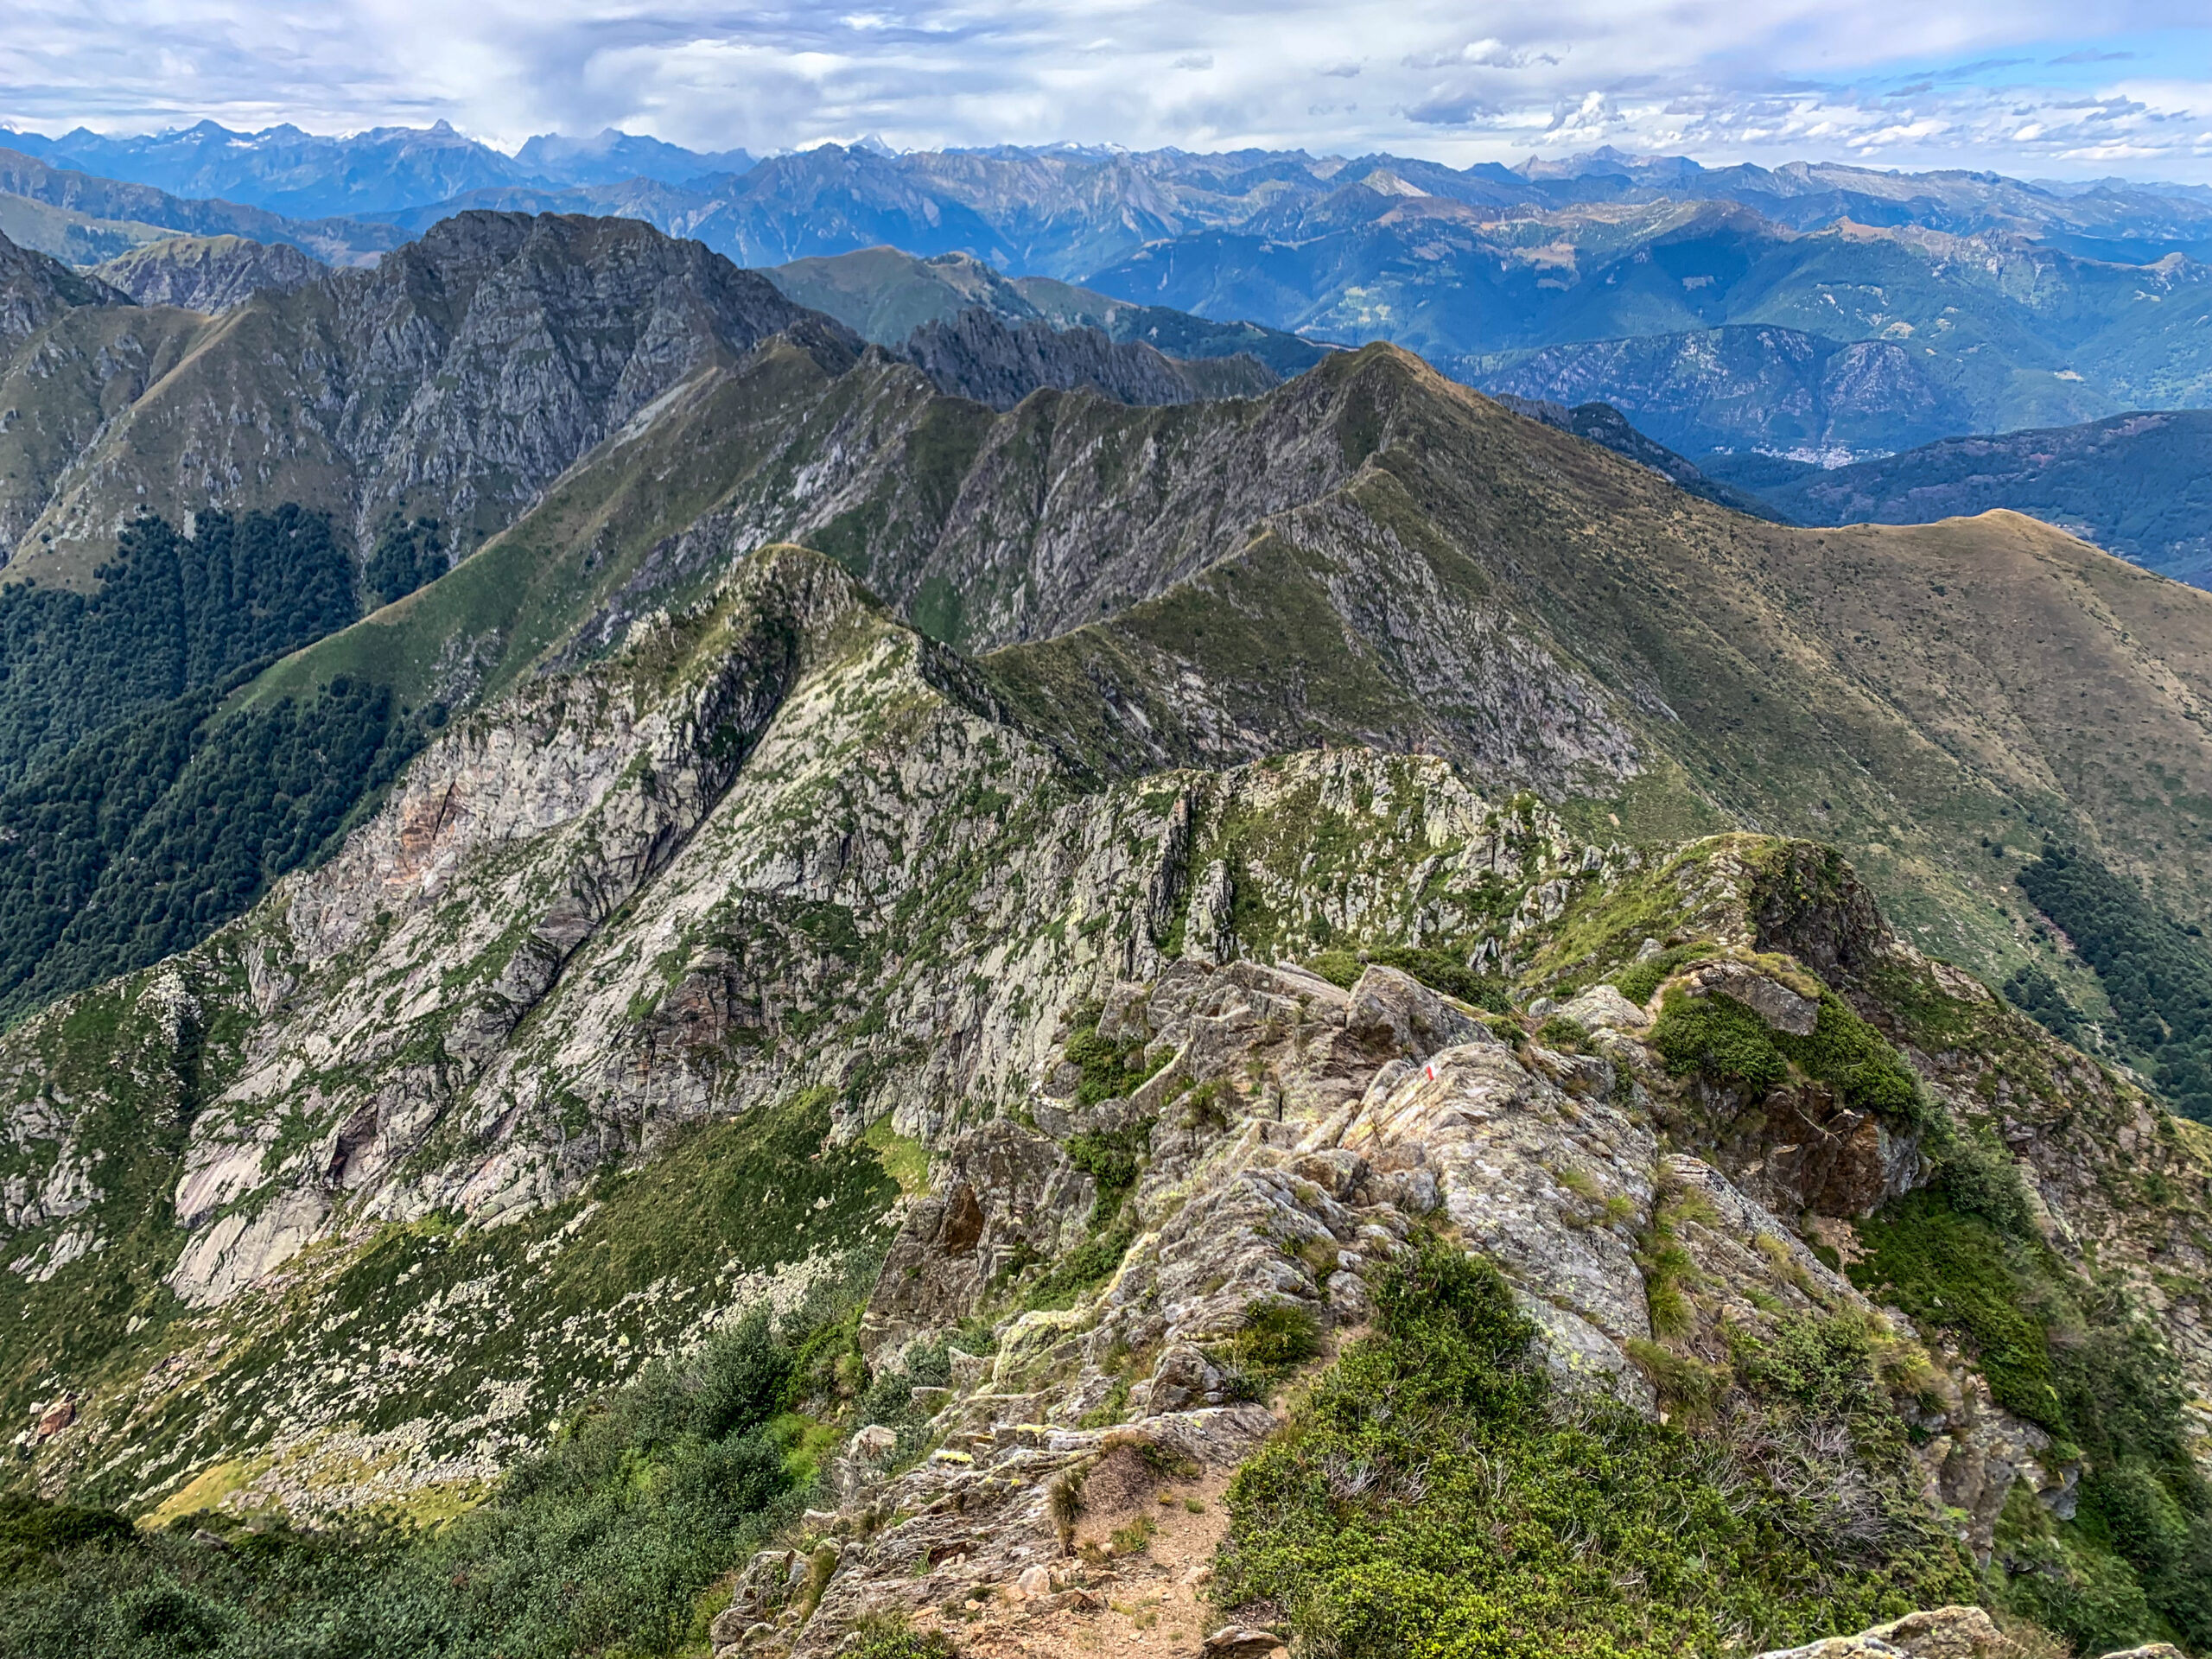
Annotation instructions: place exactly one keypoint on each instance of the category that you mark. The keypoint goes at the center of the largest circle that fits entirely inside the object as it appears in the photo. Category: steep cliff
(206, 273)
(460, 377)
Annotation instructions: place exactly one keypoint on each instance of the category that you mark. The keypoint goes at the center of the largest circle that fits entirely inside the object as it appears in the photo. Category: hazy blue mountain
(383, 170)
(288, 171)
(611, 157)
(121, 215)
(2103, 218)
(2138, 485)
(1768, 388)
(884, 294)
(1899, 307)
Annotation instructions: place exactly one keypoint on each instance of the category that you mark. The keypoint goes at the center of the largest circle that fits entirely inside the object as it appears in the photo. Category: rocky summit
(700, 987)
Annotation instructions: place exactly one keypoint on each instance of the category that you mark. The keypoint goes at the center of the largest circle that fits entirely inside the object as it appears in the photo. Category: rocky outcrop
(35, 288)
(1294, 1135)
(981, 354)
(207, 273)
(459, 377)
(1940, 1633)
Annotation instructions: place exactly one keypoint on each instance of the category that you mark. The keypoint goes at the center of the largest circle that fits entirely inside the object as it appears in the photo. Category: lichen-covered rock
(1005, 1195)
(1940, 1633)
(1602, 1007)
(1401, 1016)
(1553, 1186)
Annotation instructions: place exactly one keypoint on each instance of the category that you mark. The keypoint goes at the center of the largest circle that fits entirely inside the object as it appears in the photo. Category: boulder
(1395, 1012)
(872, 1443)
(1603, 1008)
(1938, 1633)
(1764, 995)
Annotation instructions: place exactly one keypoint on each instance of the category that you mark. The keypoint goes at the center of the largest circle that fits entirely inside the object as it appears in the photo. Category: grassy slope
(2135, 485)
(884, 294)
(86, 367)
(78, 238)
(1883, 688)
(249, 376)
(526, 590)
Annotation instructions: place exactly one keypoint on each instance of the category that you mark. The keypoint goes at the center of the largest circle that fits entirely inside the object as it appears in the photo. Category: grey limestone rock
(1938, 1633)
(1603, 1008)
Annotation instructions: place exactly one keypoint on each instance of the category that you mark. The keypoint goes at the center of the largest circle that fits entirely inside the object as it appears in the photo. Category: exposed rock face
(34, 290)
(983, 355)
(208, 274)
(1940, 1633)
(1004, 1196)
(459, 376)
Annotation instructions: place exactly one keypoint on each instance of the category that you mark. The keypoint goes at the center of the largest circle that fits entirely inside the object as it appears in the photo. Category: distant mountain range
(1820, 314)
(386, 170)
(84, 218)
(2138, 485)
(390, 170)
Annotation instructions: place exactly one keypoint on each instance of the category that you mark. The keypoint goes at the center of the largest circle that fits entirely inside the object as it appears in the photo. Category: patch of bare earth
(1145, 1600)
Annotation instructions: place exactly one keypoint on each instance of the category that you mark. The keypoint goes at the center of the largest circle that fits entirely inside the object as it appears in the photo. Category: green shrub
(1437, 969)
(1859, 1063)
(603, 1544)
(1111, 1159)
(1639, 979)
(1979, 1177)
(1081, 1271)
(1109, 1070)
(890, 1636)
(1718, 1038)
(1433, 1497)
(1277, 1337)
(1560, 1032)
(2063, 1354)
(1951, 1269)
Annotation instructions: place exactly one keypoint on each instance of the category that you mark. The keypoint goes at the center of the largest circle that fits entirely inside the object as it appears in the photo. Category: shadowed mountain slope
(1372, 554)
(207, 273)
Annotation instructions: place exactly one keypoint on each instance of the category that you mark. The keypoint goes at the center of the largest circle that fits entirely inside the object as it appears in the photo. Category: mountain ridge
(851, 985)
(2129, 483)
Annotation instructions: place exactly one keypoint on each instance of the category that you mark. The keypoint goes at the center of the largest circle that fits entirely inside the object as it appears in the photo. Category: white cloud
(2026, 84)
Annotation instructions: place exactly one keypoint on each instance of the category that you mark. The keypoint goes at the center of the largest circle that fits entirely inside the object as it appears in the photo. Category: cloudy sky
(2029, 86)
